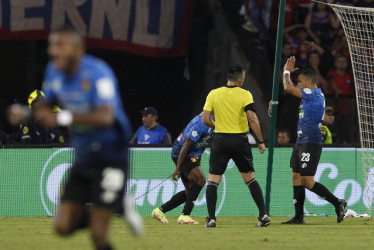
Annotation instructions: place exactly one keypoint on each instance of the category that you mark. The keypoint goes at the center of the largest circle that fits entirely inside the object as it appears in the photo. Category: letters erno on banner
(147, 27)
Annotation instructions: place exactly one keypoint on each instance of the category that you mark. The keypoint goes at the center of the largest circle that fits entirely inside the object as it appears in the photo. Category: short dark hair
(235, 72)
(69, 29)
(339, 56)
(308, 73)
(284, 130)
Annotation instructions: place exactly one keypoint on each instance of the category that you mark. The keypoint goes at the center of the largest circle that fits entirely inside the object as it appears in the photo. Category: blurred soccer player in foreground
(86, 90)
(186, 154)
(308, 147)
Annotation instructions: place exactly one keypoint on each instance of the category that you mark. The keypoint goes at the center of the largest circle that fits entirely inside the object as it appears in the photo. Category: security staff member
(32, 132)
(328, 120)
(151, 132)
(232, 106)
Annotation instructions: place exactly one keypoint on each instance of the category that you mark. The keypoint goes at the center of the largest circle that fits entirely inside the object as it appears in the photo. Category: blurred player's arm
(102, 116)
(287, 83)
(182, 156)
(255, 126)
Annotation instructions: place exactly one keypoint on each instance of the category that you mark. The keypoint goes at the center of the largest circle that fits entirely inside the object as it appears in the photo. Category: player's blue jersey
(197, 131)
(93, 85)
(311, 111)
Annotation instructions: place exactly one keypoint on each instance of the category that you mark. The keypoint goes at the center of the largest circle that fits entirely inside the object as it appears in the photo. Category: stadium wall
(31, 181)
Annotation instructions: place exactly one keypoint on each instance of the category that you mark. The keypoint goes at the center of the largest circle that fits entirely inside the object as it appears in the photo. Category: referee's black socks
(211, 199)
(322, 191)
(298, 200)
(192, 195)
(175, 201)
(256, 193)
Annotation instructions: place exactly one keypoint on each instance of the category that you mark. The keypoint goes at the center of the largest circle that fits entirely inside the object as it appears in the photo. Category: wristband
(65, 118)
(286, 72)
(261, 142)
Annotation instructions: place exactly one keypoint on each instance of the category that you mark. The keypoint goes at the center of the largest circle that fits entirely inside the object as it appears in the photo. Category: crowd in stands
(314, 35)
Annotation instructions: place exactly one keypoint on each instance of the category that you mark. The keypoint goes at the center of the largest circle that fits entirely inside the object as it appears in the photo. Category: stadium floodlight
(358, 25)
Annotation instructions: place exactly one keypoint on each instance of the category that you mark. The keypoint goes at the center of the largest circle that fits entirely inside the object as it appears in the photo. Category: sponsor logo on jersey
(301, 113)
(307, 91)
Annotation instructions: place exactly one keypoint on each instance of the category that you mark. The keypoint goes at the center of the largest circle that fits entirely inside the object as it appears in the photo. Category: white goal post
(358, 25)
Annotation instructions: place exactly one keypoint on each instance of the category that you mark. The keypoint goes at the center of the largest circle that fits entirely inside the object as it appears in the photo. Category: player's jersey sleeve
(248, 99)
(48, 83)
(197, 131)
(307, 93)
(209, 102)
(104, 91)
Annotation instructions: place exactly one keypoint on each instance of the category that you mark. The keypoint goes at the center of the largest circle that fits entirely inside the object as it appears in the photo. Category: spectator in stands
(297, 34)
(340, 81)
(260, 15)
(151, 132)
(302, 55)
(341, 85)
(327, 131)
(322, 22)
(248, 23)
(301, 10)
(340, 46)
(283, 136)
(32, 132)
(286, 53)
(314, 63)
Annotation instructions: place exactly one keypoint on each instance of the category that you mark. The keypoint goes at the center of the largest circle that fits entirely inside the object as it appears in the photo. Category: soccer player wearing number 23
(308, 147)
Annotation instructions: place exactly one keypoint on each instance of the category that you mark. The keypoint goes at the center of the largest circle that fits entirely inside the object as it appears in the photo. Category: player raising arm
(307, 150)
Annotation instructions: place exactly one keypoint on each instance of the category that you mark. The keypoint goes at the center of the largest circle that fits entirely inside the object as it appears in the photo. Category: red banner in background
(146, 27)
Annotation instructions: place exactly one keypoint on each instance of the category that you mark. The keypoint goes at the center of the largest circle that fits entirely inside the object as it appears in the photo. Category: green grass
(231, 233)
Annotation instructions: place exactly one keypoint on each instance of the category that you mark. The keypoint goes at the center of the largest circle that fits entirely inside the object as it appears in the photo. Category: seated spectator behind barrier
(151, 132)
(32, 132)
(327, 131)
(283, 136)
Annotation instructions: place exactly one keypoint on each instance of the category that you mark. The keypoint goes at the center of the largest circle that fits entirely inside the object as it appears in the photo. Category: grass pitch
(231, 233)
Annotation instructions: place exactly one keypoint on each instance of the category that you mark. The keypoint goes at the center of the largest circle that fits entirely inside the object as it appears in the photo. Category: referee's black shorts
(230, 146)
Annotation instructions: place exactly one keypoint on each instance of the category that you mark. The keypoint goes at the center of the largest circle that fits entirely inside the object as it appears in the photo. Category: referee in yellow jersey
(233, 107)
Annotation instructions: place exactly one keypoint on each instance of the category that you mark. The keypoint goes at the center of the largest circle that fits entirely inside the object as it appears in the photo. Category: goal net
(358, 25)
